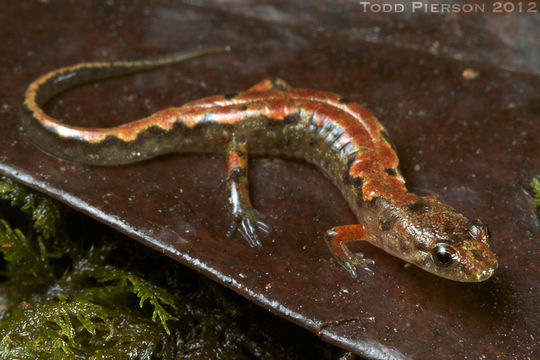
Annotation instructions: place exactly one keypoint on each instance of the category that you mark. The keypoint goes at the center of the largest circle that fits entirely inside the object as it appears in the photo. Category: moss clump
(65, 300)
(44, 211)
(75, 289)
(46, 329)
(535, 184)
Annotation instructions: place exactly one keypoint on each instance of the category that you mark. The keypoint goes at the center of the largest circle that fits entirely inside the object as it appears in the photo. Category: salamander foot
(356, 261)
(247, 223)
(337, 239)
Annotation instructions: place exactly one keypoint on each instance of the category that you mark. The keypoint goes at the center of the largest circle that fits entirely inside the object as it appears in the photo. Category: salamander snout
(463, 263)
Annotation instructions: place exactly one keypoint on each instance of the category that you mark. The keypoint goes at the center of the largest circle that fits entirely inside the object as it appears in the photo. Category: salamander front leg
(245, 218)
(337, 239)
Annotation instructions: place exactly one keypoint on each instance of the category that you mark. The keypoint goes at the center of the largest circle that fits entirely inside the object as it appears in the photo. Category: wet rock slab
(462, 107)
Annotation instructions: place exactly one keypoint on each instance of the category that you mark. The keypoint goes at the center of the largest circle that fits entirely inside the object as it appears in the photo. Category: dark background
(471, 140)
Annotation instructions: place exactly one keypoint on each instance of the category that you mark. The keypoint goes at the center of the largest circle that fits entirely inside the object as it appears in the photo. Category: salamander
(340, 137)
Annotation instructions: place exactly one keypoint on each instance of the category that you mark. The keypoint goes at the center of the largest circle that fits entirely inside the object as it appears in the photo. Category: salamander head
(437, 238)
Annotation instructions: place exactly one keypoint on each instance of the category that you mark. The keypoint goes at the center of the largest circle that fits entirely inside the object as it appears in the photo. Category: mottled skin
(343, 139)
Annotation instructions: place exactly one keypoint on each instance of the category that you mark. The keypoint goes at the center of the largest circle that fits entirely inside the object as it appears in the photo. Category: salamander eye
(478, 228)
(443, 255)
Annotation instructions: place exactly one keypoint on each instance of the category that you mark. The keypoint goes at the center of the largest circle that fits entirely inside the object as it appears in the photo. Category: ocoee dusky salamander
(343, 139)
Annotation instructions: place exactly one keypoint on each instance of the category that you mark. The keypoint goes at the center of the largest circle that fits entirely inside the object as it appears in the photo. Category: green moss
(535, 184)
(65, 296)
(47, 329)
(75, 289)
(44, 211)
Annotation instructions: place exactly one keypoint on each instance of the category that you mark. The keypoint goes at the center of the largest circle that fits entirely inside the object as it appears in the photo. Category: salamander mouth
(486, 273)
(476, 271)
(468, 269)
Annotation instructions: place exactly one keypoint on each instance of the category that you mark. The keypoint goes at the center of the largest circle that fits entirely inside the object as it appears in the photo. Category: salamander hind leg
(245, 218)
(337, 239)
(276, 84)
